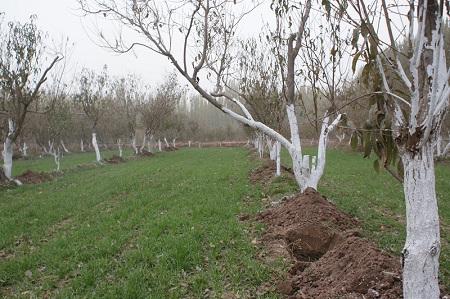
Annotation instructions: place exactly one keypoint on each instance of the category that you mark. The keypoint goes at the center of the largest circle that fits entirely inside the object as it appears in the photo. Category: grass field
(165, 226)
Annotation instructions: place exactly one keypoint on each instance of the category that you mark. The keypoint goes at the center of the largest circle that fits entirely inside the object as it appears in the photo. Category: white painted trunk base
(7, 157)
(422, 246)
(95, 145)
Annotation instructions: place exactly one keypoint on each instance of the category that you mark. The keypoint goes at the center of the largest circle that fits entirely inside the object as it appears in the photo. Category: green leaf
(355, 61)
(376, 165)
(367, 149)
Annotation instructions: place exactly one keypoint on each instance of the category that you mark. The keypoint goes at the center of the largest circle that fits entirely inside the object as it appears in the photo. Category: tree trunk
(119, 144)
(95, 145)
(64, 147)
(278, 150)
(149, 144)
(24, 150)
(7, 157)
(422, 246)
(57, 157)
(82, 145)
(136, 151)
(159, 145)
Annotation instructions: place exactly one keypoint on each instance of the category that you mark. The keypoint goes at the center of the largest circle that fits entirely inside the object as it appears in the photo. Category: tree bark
(422, 247)
(95, 145)
(7, 157)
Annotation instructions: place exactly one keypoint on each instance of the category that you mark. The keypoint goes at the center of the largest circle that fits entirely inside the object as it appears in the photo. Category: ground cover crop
(123, 230)
(156, 227)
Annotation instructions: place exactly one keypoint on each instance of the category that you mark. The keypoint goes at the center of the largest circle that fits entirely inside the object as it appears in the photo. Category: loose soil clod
(329, 259)
(31, 177)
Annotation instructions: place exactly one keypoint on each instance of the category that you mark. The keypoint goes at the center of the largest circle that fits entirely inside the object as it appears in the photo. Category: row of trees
(408, 103)
(261, 83)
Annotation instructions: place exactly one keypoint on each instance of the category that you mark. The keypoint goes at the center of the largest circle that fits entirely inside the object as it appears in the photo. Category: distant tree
(22, 58)
(93, 96)
(159, 109)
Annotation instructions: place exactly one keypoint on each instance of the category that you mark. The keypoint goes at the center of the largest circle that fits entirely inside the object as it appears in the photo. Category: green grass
(165, 226)
(158, 227)
(68, 161)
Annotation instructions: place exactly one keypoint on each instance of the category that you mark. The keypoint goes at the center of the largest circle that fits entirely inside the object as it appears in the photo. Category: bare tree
(93, 96)
(411, 103)
(22, 58)
(207, 30)
(159, 109)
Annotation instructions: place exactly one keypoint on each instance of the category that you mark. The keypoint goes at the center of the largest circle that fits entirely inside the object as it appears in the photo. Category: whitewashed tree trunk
(174, 145)
(57, 156)
(64, 147)
(51, 146)
(422, 246)
(120, 145)
(159, 145)
(144, 142)
(95, 145)
(315, 171)
(136, 150)
(24, 150)
(166, 142)
(278, 160)
(189, 143)
(439, 146)
(446, 150)
(7, 157)
(82, 145)
(149, 144)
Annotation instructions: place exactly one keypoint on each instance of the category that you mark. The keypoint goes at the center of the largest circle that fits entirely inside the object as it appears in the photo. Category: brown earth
(145, 154)
(115, 160)
(31, 177)
(328, 257)
(265, 172)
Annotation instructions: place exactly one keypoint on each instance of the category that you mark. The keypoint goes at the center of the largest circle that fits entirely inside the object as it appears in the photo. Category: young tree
(93, 96)
(412, 102)
(22, 59)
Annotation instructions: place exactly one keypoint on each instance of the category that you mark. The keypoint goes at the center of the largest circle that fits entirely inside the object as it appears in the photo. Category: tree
(207, 30)
(409, 106)
(93, 96)
(159, 110)
(22, 58)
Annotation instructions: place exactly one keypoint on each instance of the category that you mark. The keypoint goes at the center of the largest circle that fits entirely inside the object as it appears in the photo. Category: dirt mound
(170, 148)
(329, 259)
(145, 154)
(31, 177)
(266, 172)
(115, 160)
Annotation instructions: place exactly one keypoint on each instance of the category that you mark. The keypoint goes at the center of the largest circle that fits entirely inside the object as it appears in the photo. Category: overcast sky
(62, 18)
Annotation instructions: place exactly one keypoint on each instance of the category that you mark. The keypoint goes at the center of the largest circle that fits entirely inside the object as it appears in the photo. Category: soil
(328, 257)
(265, 173)
(31, 177)
(145, 154)
(115, 160)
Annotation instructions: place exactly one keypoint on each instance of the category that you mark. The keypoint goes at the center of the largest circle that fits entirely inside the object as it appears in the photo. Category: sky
(62, 18)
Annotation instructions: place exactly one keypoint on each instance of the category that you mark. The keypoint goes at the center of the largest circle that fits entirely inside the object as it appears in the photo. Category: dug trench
(327, 255)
